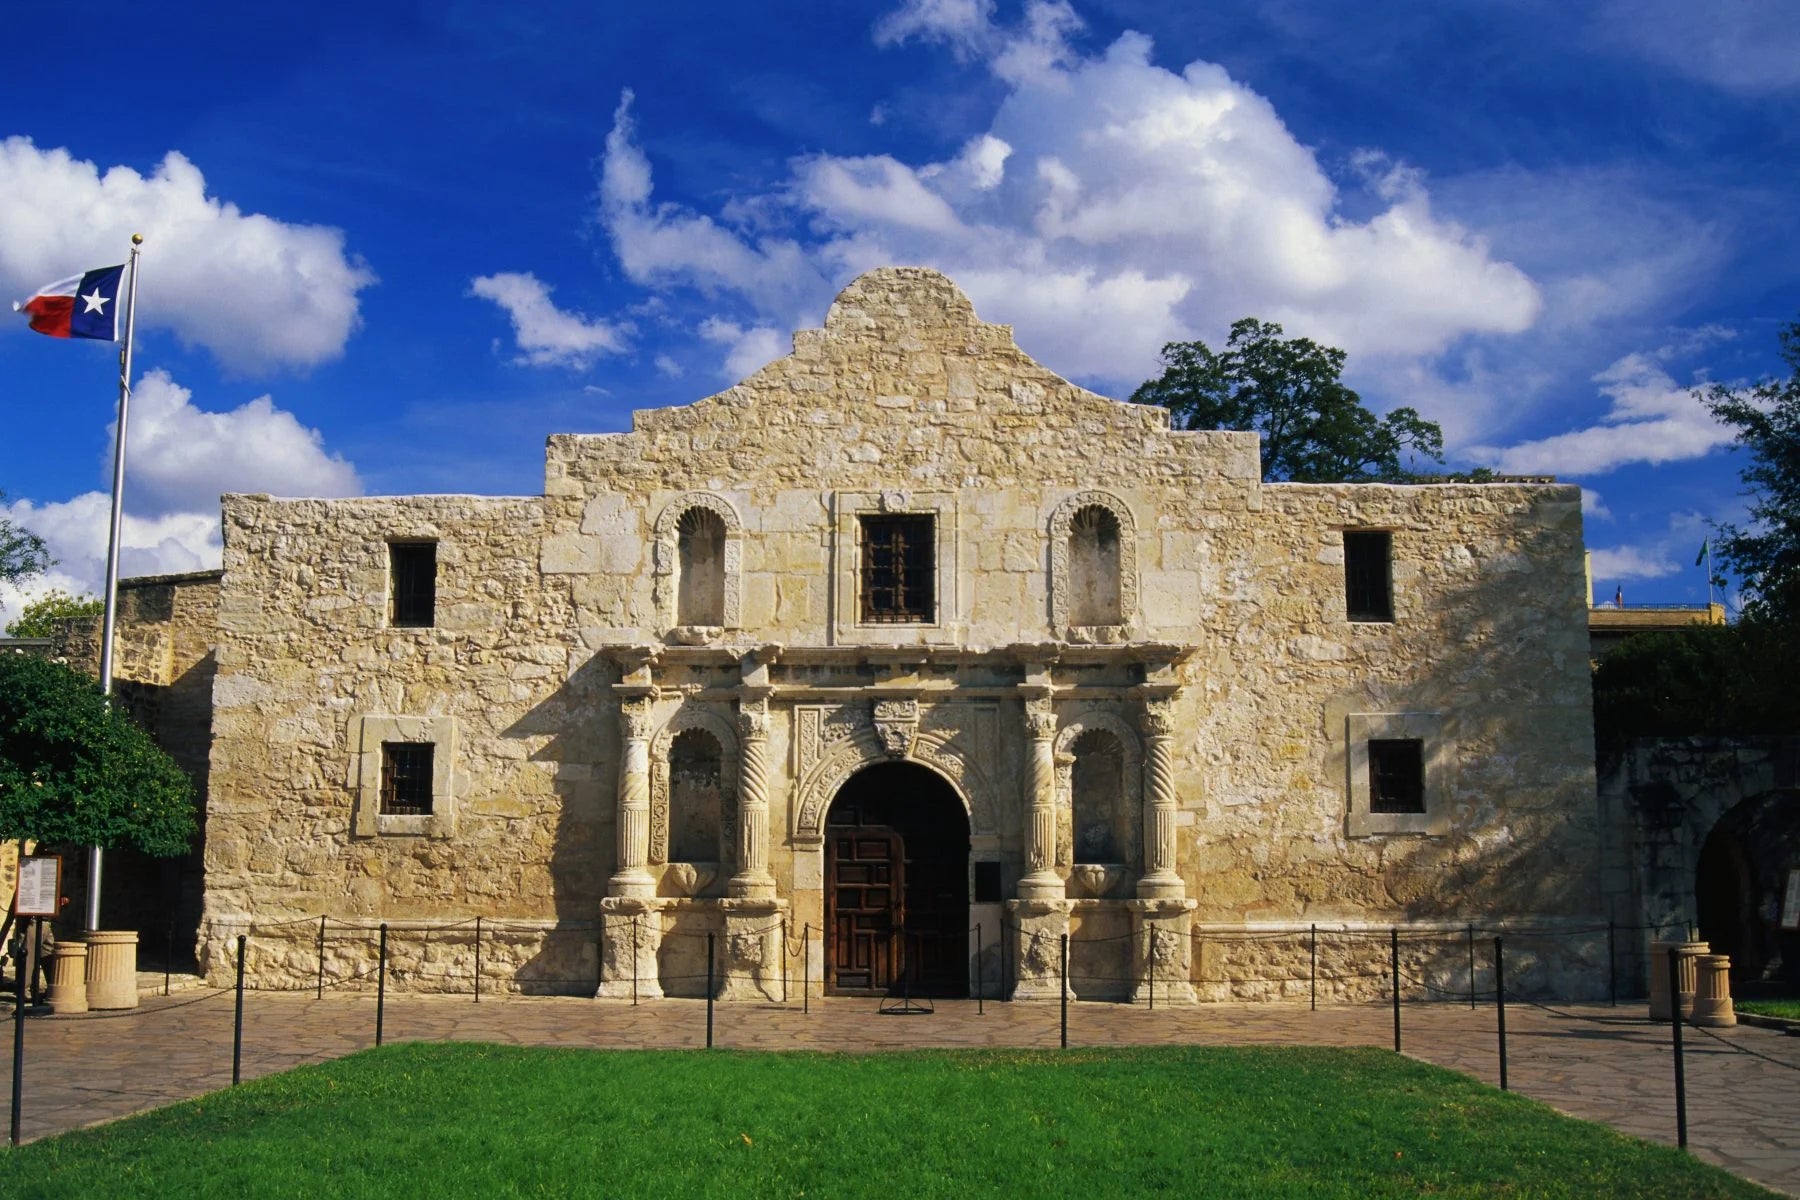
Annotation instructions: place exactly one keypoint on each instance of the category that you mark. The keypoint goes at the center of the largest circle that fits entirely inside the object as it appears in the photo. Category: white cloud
(1651, 419)
(1747, 46)
(1112, 205)
(179, 461)
(750, 349)
(1593, 506)
(254, 291)
(546, 335)
(1624, 563)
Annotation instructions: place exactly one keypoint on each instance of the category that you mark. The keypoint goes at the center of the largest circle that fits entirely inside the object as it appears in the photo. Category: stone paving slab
(1591, 1061)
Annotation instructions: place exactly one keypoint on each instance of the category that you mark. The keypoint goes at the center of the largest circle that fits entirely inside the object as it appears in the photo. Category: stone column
(752, 880)
(630, 944)
(1160, 880)
(632, 878)
(1041, 882)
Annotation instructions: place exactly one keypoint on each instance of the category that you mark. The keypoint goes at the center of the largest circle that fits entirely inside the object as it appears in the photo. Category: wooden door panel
(864, 883)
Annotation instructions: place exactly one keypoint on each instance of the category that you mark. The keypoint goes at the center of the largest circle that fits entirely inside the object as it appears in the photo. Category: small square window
(1368, 580)
(406, 779)
(1396, 775)
(412, 584)
(987, 883)
(899, 569)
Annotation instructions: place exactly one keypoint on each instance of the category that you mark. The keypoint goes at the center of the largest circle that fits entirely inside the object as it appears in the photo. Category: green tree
(1290, 392)
(22, 552)
(40, 618)
(75, 769)
(1765, 554)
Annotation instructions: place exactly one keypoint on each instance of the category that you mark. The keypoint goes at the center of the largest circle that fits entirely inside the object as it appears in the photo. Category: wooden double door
(896, 886)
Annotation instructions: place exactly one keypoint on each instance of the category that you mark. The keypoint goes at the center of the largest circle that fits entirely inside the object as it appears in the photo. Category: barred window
(406, 779)
(899, 569)
(1368, 586)
(1396, 775)
(412, 584)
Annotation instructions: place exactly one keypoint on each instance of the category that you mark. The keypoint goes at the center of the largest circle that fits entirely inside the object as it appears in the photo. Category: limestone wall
(904, 402)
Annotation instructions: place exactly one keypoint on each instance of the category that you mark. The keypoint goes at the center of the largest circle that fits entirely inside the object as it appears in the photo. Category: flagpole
(110, 616)
(1709, 577)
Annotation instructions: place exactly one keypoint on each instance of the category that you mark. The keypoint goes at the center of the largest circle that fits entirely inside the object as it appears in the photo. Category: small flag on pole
(81, 306)
(1619, 597)
(1701, 557)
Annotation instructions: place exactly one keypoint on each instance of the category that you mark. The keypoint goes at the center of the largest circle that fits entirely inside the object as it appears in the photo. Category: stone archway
(1738, 880)
(897, 884)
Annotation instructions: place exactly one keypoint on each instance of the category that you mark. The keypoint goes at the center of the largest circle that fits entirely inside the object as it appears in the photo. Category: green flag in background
(1701, 557)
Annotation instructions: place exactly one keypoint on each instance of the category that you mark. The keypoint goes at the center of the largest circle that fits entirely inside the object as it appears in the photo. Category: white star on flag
(95, 301)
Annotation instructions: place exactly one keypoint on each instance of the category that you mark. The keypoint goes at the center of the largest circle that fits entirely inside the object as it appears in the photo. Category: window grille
(406, 779)
(899, 570)
(412, 584)
(1368, 586)
(1396, 775)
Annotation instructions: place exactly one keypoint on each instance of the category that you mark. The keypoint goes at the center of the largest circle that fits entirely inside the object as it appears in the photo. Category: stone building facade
(901, 635)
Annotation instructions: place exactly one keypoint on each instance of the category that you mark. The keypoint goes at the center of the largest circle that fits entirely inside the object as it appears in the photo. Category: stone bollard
(1712, 992)
(112, 969)
(68, 978)
(1659, 976)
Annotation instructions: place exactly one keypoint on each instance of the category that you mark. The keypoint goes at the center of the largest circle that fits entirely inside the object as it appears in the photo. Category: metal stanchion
(319, 986)
(1471, 966)
(980, 973)
(381, 983)
(478, 960)
(806, 968)
(18, 1063)
(1150, 968)
(168, 955)
(1612, 965)
(1675, 1021)
(1063, 992)
(634, 960)
(1313, 973)
(783, 956)
(709, 991)
(1394, 961)
(1500, 1004)
(237, 1024)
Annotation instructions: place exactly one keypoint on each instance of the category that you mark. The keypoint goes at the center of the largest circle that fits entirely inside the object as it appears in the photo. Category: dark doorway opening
(897, 885)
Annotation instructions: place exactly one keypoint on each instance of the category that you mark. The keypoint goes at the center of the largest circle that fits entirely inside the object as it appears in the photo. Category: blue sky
(391, 247)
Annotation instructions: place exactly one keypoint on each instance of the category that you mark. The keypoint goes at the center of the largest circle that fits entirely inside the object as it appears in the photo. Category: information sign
(40, 880)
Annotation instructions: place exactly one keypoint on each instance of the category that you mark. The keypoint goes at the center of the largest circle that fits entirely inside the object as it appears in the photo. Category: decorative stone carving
(714, 722)
(1040, 882)
(1085, 719)
(832, 742)
(1060, 602)
(632, 879)
(745, 950)
(666, 555)
(1160, 880)
(896, 722)
(752, 828)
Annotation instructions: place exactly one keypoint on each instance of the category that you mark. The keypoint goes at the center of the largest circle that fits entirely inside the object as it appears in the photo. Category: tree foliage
(1765, 555)
(75, 769)
(40, 618)
(1291, 392)
(22, 552)
(1702, 681)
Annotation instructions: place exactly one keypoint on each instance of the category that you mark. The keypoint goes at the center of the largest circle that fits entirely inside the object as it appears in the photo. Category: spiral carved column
(632, 879)
(1041, 882)
(752, 879)
(1160, 880)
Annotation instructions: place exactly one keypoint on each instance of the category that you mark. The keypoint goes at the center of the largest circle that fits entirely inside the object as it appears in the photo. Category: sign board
(1790, 906)
(40, 880)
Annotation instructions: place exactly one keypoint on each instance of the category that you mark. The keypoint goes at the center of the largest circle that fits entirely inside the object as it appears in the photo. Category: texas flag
(82, 306)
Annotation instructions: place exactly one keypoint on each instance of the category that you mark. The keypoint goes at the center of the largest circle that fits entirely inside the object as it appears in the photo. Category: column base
(1041, 926)
(1165, 887)
(751, 951)
(1162, 951)
(630, 941)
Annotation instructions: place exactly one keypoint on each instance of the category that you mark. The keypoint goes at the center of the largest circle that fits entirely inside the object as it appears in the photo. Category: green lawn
(1770, 1008)
(441, 1121)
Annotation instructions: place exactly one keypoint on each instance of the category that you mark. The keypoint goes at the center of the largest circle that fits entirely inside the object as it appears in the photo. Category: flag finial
(137, 239)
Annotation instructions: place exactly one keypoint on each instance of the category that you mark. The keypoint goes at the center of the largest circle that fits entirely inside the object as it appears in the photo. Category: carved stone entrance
(897, 885)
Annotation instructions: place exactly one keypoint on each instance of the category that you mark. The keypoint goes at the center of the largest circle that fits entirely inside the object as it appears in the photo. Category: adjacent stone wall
(904, 402)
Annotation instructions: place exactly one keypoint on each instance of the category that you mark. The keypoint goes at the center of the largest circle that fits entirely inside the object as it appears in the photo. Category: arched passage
(897, 884)
(1738, 885)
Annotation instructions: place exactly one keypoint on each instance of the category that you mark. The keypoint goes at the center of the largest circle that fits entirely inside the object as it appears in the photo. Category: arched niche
(1093, 568)
(1078, 731)
(719, 728)
(699, 559)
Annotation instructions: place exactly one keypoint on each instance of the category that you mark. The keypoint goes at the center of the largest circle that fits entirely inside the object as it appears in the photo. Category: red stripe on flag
(50, 314)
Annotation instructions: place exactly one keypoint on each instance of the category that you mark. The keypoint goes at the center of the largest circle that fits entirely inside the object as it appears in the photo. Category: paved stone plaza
(1591, 1061)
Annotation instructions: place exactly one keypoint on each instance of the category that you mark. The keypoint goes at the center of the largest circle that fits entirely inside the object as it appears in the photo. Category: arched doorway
(1738, 882)
(897, 884)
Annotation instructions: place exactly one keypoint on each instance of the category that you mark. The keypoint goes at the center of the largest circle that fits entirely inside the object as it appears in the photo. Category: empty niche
(696, 797)
(1101, 828)
(1094, 567)
(700, 568)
